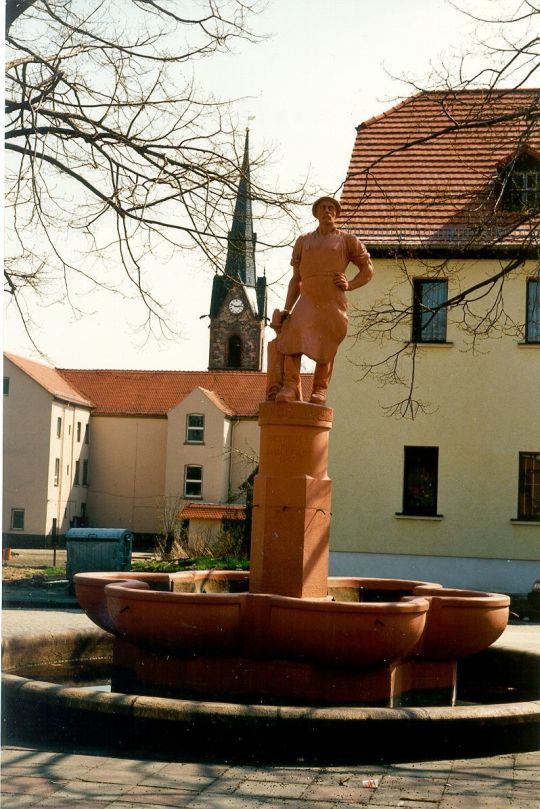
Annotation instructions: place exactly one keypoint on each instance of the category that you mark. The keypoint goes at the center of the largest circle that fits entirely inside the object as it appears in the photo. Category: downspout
(233, 423)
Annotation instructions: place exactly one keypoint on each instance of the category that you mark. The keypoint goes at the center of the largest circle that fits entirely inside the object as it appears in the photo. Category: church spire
(240, 261)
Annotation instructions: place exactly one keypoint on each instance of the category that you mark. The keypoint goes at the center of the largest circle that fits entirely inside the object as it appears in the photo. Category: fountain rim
(413, 604)
(169, 709)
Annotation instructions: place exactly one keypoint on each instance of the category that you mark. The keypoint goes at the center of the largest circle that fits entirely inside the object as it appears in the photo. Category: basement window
(17, 519)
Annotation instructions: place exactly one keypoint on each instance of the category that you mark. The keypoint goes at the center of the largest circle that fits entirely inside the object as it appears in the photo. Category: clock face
(236, 306)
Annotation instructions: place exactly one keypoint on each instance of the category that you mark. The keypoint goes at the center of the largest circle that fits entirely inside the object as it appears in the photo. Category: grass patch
(227, 563)
(199, 563)
(52, 572)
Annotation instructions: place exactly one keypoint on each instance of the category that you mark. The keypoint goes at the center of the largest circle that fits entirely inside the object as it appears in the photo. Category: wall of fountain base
(237, 678)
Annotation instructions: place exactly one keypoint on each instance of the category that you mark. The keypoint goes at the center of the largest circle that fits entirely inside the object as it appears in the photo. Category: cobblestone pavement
(48, 778)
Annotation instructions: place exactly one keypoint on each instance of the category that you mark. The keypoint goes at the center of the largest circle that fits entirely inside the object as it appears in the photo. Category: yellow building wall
(483, 409)
(127, 472)
(245, 454)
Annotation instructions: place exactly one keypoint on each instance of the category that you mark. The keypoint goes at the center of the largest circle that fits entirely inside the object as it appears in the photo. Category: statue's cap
(325, 199)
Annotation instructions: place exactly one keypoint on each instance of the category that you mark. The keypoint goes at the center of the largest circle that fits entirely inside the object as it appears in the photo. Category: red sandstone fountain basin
(322, 632)
(194, 613)
(461, 622)
(185, 623)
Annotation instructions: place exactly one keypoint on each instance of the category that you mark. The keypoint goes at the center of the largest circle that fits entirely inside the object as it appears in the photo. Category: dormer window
(521, 181)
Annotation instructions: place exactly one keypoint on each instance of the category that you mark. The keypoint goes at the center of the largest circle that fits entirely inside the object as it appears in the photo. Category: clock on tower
(236, 306)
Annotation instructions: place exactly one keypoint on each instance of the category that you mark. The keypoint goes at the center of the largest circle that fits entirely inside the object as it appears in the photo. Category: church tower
(238, 304)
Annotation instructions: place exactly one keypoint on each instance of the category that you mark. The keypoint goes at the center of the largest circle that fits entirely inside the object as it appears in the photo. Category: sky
(323, 69)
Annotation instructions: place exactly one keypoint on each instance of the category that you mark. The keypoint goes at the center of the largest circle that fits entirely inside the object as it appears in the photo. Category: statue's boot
(291, 391)
(321, 378)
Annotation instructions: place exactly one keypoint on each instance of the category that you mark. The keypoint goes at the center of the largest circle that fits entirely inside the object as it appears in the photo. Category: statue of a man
(314, 320)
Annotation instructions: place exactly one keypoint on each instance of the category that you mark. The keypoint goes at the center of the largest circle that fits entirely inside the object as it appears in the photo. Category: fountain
(285, 658)
(286, 631)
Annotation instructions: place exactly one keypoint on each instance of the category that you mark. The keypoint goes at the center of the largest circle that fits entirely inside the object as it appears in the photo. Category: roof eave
(450, 250)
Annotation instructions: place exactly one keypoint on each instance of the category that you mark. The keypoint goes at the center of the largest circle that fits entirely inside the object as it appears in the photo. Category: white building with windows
(45, 454)
(158, 440)
(435, 453)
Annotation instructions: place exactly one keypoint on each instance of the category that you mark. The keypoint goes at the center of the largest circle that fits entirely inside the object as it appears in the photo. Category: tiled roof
(154, 393)
(213, 511)
(425, 173)
(50, 379)
(218, 401)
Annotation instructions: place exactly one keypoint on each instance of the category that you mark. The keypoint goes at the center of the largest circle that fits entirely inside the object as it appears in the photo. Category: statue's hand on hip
(341, 281)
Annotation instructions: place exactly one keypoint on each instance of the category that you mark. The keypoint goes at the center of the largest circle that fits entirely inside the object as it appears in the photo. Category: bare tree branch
(110, 142)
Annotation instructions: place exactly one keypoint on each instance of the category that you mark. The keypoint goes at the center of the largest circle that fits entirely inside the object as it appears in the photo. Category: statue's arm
(357, 255)
(293, 291)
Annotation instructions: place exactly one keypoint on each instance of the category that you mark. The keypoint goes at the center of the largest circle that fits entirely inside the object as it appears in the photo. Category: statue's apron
(318, 322)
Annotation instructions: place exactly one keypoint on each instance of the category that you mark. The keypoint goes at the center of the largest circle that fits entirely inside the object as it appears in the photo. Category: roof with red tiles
(218, 401)
(428, 171)
(50, 379)
(213, 511)
(154, 393)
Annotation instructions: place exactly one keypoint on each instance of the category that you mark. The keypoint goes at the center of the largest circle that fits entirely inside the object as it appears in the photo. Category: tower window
(234, 354)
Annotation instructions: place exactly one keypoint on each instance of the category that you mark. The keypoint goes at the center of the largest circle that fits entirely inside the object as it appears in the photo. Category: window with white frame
(193, 476)
(195, 428)
(56, 471)
(17, 519)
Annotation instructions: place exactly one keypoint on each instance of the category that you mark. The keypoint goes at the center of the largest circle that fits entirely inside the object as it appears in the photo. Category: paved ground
(45, 778)
(48, 778)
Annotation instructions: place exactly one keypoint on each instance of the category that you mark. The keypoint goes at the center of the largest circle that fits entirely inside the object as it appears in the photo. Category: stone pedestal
(291, 501)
